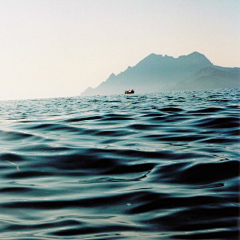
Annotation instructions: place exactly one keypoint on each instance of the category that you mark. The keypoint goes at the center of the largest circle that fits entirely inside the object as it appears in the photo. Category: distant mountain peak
(196, 53)
(112, 75)
(193, 54)
(152, 56)
(196, 58)
(163, 73)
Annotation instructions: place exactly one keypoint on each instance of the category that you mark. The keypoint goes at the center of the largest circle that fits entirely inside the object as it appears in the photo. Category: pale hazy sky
(55, 48)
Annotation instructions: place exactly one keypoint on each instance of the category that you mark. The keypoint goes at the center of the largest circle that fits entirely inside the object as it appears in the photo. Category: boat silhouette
(129, 91)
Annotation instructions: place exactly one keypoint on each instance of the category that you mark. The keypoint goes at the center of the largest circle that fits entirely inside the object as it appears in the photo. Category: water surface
(155, 166)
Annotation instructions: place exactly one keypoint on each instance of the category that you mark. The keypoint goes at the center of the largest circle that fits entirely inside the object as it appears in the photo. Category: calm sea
(154, 166)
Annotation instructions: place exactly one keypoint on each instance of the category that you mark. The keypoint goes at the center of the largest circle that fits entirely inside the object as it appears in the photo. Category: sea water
(154, 166)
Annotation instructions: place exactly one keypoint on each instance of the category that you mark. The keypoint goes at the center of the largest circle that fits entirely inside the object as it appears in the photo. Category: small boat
(129, 91)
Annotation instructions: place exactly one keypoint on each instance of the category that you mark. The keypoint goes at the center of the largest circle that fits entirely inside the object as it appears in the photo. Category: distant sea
(154, 166)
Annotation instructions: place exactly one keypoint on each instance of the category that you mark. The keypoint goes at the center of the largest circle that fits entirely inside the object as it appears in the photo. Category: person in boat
(129, 92)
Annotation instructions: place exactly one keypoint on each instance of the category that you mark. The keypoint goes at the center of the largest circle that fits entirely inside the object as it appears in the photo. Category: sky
(58, 48)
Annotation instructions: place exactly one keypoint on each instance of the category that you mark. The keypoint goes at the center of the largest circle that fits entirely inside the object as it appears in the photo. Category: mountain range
(157, 73)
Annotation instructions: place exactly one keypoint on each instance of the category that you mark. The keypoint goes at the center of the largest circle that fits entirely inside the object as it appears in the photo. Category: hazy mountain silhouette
(210, 78)
(157, 73)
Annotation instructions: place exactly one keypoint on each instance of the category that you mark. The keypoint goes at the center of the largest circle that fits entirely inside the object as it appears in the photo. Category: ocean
(154, 166)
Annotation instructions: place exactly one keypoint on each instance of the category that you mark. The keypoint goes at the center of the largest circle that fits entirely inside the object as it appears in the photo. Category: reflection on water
(155, 166)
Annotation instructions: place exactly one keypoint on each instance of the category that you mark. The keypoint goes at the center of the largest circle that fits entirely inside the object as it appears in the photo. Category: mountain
(157, 73)
(210, 78)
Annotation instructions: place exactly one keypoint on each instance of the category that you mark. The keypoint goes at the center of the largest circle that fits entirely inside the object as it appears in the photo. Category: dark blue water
(156, 166)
